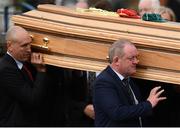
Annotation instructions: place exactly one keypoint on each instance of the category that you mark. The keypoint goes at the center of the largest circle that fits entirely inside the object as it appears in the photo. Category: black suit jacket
(18, 95)
(112, 103)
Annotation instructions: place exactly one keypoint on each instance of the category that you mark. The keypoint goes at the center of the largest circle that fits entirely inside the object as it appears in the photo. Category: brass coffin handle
(107, 58)
(32, 37)
(46, 41)
(42, 47)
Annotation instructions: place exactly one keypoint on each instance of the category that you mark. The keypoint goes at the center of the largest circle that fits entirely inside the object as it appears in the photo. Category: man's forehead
(25, 40)
(130, 49)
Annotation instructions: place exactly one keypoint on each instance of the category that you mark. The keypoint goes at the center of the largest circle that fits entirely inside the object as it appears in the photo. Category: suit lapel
(12, 62)
(119, 83)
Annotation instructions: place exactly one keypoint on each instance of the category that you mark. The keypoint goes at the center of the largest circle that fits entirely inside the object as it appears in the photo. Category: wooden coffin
(80, 40)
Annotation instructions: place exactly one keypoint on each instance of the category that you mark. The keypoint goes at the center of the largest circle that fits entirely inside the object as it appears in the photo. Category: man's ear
(9, 45)
(115, 59)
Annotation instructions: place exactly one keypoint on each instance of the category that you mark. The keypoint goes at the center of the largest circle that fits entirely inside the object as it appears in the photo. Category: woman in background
(166, 13)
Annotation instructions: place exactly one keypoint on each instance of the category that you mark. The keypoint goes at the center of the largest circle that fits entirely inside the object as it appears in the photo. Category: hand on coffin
(154, 96)
(37, 60)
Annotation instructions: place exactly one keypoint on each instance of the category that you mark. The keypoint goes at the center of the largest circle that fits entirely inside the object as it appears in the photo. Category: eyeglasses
(133, 58)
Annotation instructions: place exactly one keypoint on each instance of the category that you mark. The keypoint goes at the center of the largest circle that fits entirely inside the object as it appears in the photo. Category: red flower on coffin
(129, 13)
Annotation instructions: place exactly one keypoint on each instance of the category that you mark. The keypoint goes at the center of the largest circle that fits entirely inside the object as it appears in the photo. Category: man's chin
(133, 72)
(26, 59)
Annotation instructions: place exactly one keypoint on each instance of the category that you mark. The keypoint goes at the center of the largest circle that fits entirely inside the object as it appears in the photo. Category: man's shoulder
(3, 61)
(106, 72)
(7, 62)
(104, 76)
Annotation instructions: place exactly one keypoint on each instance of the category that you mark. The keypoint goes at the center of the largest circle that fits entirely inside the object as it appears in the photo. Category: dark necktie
(27, 71)
(91, 77)
(128, 89)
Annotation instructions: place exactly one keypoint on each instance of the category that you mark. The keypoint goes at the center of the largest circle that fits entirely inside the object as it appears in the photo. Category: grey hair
(162, 9)
(154, 3)
(117, 48)
(11, 34)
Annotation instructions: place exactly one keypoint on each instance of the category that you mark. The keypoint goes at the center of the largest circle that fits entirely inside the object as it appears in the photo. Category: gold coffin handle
(46, 41)
(107, 58)
(32, 37)
(41, 47)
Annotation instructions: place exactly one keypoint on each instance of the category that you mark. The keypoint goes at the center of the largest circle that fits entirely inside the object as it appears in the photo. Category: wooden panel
(72, 46)
(81, 41)
(168, 61)
(74, 62)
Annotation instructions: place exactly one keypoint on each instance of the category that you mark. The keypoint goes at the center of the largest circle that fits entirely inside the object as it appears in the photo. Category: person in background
(166, 13)
(81, 4)
(116, 98)
(67, 3)
(104, 4)
(69, 100)
(79, 109)
(22, 84)
(174, 5)
(109, 5)
(147, 6)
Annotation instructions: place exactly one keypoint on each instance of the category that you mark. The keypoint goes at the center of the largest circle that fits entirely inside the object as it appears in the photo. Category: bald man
(20, 88)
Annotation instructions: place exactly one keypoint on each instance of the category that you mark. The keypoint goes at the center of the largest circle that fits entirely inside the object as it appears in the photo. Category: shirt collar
(119, 75)
(19, 64)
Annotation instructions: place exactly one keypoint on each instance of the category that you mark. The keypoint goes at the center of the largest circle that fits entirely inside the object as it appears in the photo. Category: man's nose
(136, 60)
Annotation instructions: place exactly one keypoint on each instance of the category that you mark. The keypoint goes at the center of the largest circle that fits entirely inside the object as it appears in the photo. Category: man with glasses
(116, 98)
